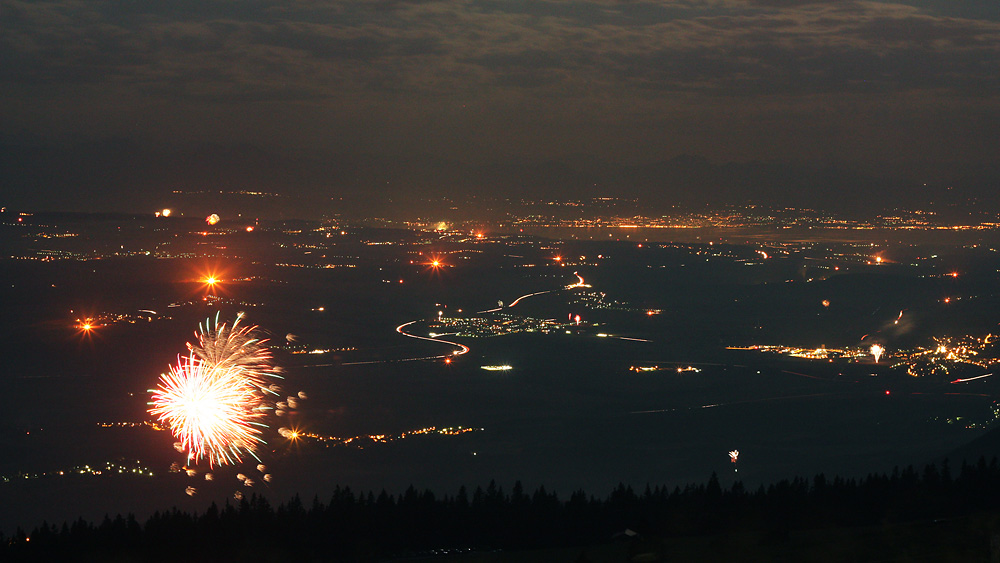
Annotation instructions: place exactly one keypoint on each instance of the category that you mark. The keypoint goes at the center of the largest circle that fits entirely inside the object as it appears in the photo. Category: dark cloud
(418, 45)
(795, 3)
(633, 79)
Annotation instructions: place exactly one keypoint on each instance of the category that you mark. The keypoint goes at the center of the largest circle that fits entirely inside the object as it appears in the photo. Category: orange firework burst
(214, 410)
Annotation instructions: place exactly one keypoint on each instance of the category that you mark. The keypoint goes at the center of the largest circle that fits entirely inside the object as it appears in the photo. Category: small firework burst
(236, 347)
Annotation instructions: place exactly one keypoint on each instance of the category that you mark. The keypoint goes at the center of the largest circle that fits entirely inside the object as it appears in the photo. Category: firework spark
(877, 352)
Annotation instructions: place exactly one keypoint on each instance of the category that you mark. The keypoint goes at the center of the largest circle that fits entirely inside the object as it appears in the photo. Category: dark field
(569, 414)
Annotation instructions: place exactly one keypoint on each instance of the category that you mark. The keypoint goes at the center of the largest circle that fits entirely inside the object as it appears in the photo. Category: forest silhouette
(931, 512)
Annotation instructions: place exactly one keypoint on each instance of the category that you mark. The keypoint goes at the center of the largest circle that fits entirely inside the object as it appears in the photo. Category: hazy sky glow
(883, 87)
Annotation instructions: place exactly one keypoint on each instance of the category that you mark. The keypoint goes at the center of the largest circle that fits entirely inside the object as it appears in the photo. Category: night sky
(108, 104)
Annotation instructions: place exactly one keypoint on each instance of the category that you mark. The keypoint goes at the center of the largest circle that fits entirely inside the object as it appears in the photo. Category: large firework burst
(214, 411)
(214, 399)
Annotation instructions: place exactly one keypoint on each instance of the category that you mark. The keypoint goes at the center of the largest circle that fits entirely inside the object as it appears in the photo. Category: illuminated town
(946, 355)
(386, 325)
(361, 442)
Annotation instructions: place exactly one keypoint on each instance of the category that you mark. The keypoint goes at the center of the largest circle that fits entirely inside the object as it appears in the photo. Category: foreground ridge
(880, 517)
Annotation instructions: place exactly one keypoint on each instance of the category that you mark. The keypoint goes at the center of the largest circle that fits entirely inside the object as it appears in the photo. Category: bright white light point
(877, 352)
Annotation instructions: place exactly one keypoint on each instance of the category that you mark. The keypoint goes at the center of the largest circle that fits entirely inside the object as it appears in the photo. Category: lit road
(971, 378)
(747, 402)
(462, 348)
(515, 302)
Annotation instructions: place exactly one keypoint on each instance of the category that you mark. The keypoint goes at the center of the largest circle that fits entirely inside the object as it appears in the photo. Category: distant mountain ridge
(117, 176)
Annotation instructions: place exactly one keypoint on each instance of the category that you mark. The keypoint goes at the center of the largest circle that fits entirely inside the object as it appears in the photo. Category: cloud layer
(858, 82)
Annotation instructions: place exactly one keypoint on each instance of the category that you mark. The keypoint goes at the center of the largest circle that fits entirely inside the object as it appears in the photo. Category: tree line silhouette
(361, 526)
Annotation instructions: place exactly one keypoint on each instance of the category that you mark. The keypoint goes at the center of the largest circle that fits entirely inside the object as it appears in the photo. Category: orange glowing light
(435, 262)
(557, 258)
(86, 327)
(953, 274)
(249, 228)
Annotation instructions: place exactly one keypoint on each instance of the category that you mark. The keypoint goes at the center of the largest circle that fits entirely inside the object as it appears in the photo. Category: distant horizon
(410, 210)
